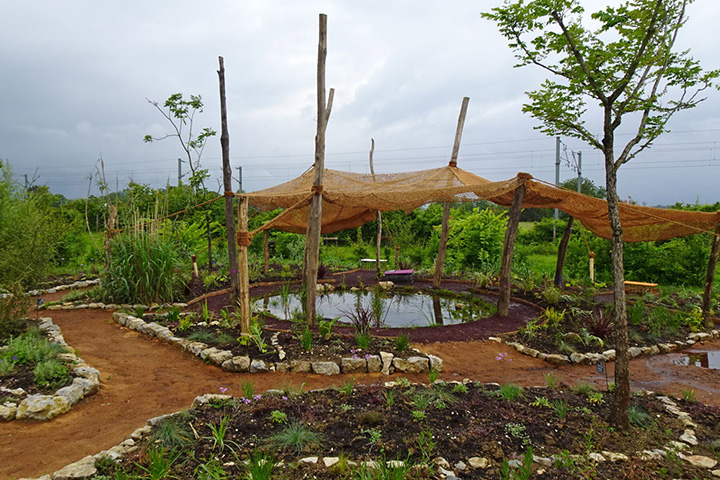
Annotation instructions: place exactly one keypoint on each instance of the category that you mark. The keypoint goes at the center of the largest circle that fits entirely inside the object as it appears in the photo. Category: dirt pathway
(142, 378)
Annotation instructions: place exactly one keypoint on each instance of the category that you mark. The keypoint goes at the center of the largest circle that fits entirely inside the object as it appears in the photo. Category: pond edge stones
(385, 363)
(609, 355)
(86, 381)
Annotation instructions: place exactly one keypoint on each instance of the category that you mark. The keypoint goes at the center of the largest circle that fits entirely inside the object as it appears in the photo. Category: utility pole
(240, 190)
(179, 171)
(557, 181)
(579, 167)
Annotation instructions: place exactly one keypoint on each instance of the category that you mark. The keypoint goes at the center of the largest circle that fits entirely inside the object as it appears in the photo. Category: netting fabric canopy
(351, 199)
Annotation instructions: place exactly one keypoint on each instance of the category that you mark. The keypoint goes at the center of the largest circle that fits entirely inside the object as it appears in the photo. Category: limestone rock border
(60, 288)
(78, 305)
(85, 467)
(86, 382)
(609, 355)
(384, 363)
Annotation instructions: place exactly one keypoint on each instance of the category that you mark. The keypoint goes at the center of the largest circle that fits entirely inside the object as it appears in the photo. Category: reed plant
(141, 268)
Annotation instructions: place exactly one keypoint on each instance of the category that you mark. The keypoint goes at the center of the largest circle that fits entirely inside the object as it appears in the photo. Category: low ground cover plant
(31, 362)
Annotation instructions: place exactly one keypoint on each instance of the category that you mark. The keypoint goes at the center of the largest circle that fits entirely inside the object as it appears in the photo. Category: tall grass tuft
(141, 269)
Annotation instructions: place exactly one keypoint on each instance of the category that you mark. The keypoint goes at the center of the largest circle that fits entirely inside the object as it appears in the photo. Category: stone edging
(385, 362)
(85, 467)
(608, 355)
(72, 286)
(78, 305)
(86, 382)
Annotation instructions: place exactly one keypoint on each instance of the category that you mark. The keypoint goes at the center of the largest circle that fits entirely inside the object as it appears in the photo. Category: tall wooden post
(378, 238)
(446, 207)
(314, 223)
(506, 265)
(227, 185)
(710, 279)
(243, 274)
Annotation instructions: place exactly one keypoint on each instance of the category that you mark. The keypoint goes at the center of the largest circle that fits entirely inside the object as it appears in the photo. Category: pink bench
(400, 276)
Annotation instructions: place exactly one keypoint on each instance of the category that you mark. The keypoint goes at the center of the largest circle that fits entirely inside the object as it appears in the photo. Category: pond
(399, 310)
(709, 360)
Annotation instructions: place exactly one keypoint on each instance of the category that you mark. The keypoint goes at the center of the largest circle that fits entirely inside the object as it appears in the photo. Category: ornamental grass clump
(141, 268)
(295, 436)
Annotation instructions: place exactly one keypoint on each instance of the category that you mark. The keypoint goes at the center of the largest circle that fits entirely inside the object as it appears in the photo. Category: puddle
(709, 360)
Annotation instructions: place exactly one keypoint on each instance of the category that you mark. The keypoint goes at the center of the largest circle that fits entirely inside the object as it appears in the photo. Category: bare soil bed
(415, 425)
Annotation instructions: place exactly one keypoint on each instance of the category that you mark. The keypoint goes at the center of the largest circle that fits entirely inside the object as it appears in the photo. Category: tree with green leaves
(626, 71)
(181, 115)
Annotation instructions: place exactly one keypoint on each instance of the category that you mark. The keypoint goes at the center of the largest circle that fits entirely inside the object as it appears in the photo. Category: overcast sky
(76, 75)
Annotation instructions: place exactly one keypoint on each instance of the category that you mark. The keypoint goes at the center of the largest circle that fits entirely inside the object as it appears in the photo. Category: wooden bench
(641, 287)
(400, 276)
(370, 261)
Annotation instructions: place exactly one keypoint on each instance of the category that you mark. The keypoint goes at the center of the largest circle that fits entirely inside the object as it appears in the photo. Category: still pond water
(414, 310)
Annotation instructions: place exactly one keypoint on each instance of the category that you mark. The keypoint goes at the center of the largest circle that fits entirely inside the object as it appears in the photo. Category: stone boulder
(237, 364)
(325, 368)
(411, 364)
(42, 407)
(353, 365)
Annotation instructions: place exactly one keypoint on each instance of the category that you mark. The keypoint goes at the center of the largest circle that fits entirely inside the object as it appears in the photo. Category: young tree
(628, 67)
(181, 115)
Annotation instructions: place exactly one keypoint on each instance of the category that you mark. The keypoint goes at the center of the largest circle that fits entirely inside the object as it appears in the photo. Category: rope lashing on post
(244, 239)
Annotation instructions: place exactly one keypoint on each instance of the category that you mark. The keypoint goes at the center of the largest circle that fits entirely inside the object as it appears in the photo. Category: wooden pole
(506, 265)
(243, 274)
(378, 238)
(562, 252)
(710, 279)
(314, 223)
(446, 207)
(266, 249)
(227, 185)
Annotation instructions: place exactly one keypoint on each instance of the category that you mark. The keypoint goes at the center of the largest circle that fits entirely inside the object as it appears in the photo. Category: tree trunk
(227, 185)
(243, 275)
(562, 251)
(506, 265)
(622, 356)
(710, 279)
(314, 224)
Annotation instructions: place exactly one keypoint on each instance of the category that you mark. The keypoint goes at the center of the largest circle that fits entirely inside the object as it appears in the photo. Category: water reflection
(709, 360)
(401, 310)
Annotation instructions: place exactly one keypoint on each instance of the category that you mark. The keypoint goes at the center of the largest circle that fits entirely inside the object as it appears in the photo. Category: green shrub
(31, 347)
(29, 232)
(50, 373)
(13, 307)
